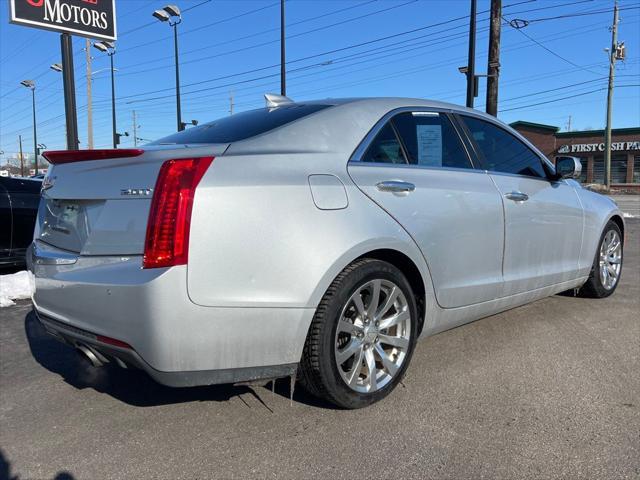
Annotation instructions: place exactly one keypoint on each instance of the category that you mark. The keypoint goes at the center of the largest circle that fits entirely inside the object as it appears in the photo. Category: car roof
(339, 128)
(391, 103)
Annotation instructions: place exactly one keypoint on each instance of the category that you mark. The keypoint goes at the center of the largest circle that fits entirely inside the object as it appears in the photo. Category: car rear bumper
(128, 358)
(176, 341)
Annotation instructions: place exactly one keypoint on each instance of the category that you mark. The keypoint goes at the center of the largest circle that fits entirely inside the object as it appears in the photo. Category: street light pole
(89, 95)
(175, 45)
(171, 14)
(283, 70)
(113, 104)
(110, 49)
(31, 85)
(35, 130)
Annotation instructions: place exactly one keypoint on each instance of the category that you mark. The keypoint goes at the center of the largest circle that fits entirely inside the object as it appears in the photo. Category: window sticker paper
(429, 145)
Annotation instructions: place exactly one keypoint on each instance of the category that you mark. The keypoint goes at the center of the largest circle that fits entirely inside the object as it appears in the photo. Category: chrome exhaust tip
(88, 354)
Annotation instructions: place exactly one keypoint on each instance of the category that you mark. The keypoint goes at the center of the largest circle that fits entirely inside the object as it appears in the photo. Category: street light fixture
(110, 49)
(31, 85)
(171, 14)
(192, 122)
(56, 67)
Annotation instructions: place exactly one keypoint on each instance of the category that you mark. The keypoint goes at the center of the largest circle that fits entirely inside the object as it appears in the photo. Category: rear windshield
(242, 125)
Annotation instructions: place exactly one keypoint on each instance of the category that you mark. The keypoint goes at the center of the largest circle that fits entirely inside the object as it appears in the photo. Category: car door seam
(504, 223)
(433, 286)
(584, 225)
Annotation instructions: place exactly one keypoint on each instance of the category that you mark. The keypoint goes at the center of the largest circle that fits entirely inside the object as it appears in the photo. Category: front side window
(431, 140)
(502, 151)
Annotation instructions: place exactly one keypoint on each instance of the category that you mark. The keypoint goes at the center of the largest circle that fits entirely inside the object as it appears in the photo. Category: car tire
(352, 317)
(607, 264)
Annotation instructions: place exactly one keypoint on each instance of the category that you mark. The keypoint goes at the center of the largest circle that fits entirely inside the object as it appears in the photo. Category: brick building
(588, 145)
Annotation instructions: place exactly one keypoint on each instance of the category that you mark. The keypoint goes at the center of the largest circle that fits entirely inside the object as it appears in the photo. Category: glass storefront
(618, 169)
(583, 174)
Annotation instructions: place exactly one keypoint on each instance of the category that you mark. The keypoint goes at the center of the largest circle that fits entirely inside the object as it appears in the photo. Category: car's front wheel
(607, 265)
(362, 336)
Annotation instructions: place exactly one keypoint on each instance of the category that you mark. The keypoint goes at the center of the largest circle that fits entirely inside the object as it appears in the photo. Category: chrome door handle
(517, 196)
(395, 186)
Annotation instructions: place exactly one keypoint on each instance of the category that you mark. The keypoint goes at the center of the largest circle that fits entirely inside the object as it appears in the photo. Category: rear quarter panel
(258, 239)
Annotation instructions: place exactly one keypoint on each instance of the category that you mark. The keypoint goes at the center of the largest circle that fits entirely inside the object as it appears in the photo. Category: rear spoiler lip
(57, 157)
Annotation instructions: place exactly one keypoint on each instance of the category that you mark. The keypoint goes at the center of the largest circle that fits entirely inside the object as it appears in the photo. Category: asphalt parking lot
(629, 204)
(548, 390)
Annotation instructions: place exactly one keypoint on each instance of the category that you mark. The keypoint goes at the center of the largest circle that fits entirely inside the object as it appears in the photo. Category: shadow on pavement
(135, 387)
(5, 471)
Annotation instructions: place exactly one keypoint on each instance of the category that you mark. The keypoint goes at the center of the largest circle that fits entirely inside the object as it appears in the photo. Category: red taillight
(167, 241)
(56, 157)
(113, 341)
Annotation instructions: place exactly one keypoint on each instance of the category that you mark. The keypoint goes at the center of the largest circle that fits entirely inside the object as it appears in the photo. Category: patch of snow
(15, 286)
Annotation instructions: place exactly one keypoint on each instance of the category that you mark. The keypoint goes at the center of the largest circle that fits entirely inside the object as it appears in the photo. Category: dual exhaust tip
(95, 358)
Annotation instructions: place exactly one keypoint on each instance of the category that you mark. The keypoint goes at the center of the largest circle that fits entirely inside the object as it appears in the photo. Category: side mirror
(568, 167)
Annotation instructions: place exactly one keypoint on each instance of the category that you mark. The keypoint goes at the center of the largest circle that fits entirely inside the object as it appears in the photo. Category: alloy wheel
(610, 259)
(373, 336)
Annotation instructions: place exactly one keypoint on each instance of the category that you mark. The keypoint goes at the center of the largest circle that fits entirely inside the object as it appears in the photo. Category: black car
(19, 199)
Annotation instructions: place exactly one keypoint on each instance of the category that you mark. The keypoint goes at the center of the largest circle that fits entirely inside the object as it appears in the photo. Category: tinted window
(385, 148)
(502, 151)
(242, 125)
(430, 140)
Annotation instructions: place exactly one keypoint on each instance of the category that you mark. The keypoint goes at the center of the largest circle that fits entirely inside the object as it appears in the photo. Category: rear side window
(430, 140)
(385, 148)
(502, 151)
(242, 125)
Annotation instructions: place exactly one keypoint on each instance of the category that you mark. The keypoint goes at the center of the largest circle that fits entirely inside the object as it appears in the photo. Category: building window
(585, 166)
(598, 170)
(618, 169)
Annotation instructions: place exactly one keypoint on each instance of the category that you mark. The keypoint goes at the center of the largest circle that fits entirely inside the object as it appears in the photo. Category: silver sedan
(316, 240)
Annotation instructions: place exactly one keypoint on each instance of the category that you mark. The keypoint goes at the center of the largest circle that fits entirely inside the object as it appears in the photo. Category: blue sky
(552, 69)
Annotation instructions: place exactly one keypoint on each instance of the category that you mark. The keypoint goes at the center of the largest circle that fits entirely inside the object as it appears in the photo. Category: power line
(580, 28)
(359, 55)
(234, 17)
(564, 98)
(407, 32)
(261, 44)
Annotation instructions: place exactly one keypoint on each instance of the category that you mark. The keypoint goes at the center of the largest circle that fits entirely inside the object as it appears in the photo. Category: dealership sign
(88, 18)
(598, 147)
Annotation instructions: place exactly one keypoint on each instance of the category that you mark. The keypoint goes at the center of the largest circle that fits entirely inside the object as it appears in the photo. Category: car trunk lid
(100, 206)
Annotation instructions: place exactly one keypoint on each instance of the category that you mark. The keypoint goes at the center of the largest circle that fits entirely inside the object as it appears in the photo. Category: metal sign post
(69, 91)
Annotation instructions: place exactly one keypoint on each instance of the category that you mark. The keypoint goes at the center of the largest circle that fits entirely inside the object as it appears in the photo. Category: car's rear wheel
(362, 336)
(607, 264)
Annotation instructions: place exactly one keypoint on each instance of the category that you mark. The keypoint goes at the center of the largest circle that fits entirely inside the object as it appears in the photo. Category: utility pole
(87, 49)
(613, 54)
(283, 70)
(231, 102)
(135, 130)
(471, 74)
(569, 124)
(21, 157)
(493, 68)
